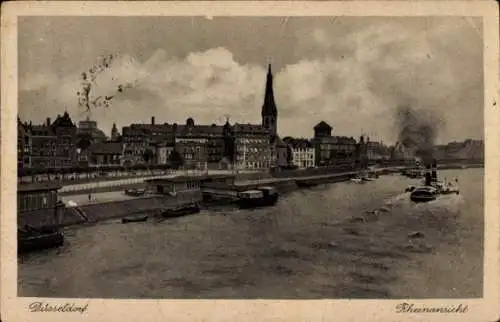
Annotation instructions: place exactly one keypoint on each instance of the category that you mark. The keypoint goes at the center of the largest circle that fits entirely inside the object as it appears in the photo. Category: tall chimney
(434, 172)
(153, 120)
(428, 179)
(48, 121)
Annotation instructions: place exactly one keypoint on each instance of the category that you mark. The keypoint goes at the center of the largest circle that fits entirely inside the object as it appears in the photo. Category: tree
(175, 159)
(87, 98)
(289, 155)
(229, 148)
(148, 155)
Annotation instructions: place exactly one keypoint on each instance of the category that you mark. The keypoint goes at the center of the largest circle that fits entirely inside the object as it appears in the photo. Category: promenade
(99, 184)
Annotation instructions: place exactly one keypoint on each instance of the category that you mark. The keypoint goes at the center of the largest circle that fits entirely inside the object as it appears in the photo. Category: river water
(324, 242)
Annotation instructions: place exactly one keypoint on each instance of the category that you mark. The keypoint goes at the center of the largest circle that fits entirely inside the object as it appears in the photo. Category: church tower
(114, 133)
(269, 110)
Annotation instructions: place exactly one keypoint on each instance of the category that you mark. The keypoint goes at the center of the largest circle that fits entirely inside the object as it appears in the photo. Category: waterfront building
(465, 150)
(402, 152)
(115, 135)
(332, 149)
(269, 112)
(104, 154)
(302, 152)
(88, 129)
(269, 115)
(24, 144)
(199, 145)
(139, 138)
(376, 151)
(281, 151)
(38, 206)
(66, 133)
(43, 145)
(252, 147)
(163, 150)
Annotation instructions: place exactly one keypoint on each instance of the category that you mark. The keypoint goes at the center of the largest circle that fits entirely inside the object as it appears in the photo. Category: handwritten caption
(61, 308)
(412, 308)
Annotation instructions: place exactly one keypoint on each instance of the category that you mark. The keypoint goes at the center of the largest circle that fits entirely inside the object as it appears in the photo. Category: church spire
(269, 106)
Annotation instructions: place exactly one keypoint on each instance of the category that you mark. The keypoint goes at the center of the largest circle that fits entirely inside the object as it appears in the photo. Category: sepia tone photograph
(249, 157)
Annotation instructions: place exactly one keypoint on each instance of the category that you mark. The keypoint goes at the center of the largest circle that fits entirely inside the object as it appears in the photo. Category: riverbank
(108, 205)
(333, 241)
(105, 206)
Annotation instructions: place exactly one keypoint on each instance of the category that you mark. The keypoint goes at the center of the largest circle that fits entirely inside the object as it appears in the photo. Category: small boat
(410, 188)
(262, 197)
(127, 220)
(31, 239)
(305, 184)
(357, 180)
(424, 194)
(181, 211)
(446, 188)
(135, 192)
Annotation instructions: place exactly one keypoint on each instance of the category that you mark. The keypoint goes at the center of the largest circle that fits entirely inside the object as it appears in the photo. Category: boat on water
(357, 179)
(30, 239)
(127, 220)
(261, 197)
(432, 187)
(414, 173)
(367, 178)
(135, 192)
(180, 211)
(305, 183)
(424, 194)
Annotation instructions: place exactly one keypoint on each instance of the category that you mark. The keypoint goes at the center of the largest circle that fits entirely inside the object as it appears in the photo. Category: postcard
(250, 161)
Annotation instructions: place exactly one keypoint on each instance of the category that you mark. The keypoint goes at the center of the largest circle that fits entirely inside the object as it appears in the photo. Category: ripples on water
(334, 241)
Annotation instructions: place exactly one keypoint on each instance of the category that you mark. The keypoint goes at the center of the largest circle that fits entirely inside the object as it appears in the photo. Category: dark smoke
(418, 130)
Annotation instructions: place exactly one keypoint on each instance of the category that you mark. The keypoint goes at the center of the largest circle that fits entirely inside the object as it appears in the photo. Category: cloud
(354, 82)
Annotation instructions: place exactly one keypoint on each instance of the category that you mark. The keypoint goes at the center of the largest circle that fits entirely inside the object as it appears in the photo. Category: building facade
(330, 150)
(163, 151)
(38, 205)
(104, 154)
(252, 147)
(376, 151)
(198, 145)
(43, 148)
(24, 144)
(303, 154)
(269, 112)
(88, 129)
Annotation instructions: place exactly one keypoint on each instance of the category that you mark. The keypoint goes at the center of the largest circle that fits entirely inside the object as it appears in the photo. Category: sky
(351, 72)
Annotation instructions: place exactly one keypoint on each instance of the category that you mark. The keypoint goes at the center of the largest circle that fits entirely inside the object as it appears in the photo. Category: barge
(180, 211)
(432, 188)
(261, 197)
(30, 239)
(127, 220)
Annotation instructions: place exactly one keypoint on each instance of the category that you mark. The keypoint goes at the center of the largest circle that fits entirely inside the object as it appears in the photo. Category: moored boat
(262, 197)
(432, 187)
(31, 239)
(127, 220)
(135, 192)
(424, 194)
(357, 180)
(305, 183)
(183, 210)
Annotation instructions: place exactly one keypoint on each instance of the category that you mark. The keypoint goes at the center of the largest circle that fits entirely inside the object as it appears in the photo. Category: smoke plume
(418, 129)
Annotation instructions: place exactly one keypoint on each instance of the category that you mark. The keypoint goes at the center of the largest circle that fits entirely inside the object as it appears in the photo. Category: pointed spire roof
(269, 106)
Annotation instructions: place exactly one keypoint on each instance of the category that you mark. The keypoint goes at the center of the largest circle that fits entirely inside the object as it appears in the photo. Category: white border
(14, 309)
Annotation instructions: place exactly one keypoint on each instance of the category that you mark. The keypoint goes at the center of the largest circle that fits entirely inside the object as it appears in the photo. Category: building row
(63, 144)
